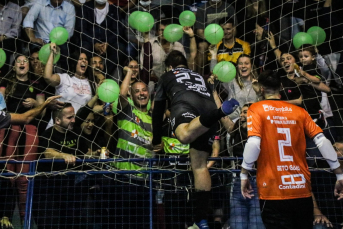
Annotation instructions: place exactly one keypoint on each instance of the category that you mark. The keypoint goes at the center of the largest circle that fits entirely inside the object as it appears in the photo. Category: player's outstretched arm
(27, 117)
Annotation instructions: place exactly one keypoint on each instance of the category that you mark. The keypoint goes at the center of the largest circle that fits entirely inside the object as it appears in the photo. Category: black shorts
(185, 113)
(287, 214)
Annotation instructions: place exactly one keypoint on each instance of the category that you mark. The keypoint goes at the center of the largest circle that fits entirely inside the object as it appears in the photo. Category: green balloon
(108, 91)
(115, 106)
(59, 35)
(214, 33)
(143, 22)
(2, 57)
(302, 38)
(173, 32)
(132, 19)
(187, 18)
(318, 35)
(44, 54)
(225, 71)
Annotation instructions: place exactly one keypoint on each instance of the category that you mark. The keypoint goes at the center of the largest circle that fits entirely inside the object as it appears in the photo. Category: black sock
(210, 118)
(201, 205)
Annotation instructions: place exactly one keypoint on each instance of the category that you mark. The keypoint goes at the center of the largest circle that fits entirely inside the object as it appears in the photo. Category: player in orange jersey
(276, 140)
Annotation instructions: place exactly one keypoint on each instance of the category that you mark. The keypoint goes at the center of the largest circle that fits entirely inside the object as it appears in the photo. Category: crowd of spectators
(101, 45)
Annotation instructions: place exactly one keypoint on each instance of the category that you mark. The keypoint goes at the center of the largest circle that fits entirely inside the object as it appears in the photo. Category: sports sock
(202, 201)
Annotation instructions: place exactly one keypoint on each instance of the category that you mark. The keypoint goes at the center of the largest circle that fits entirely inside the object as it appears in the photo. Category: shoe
(229, 106)
(201, 225)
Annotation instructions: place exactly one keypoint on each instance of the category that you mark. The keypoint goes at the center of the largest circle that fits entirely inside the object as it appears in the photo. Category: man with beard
(134, 141)
(134, 123)
(230, 48)
(60, 202)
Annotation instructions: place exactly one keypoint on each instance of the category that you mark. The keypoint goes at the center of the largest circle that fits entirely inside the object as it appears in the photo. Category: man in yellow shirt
(230, 48)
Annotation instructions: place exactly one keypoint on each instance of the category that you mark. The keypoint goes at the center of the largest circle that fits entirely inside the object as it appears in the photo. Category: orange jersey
(282, 171)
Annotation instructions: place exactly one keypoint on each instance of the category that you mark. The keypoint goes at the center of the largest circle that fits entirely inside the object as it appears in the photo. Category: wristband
(339, 176)
(243, 176)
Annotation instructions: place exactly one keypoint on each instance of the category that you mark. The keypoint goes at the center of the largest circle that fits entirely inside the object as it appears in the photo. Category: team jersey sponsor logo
(135, 134)
(171, 146)
(288, 168)
(267, 107)
(280, 120)
(189, 115)
(137, 120)
(293, 181)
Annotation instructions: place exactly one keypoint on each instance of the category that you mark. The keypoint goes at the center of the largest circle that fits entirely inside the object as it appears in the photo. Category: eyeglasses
(22, 61)
(34, 58)
(133, 66)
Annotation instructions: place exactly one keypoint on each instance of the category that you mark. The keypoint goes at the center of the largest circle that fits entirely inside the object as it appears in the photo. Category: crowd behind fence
(110, 198)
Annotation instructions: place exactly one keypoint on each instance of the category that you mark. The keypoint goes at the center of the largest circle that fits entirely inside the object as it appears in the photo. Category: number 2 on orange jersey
(283, 143)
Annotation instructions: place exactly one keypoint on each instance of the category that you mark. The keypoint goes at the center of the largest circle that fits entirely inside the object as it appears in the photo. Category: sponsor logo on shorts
(189, 115)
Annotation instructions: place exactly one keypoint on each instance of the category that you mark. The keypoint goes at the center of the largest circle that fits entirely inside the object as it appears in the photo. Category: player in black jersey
(194, 115)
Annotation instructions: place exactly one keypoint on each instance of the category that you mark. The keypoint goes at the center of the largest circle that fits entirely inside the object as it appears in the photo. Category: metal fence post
(150, 193)
(29, 196)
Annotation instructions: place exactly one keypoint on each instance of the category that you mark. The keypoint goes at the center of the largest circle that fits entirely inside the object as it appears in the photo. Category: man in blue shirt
(44, 16)
(10, 20)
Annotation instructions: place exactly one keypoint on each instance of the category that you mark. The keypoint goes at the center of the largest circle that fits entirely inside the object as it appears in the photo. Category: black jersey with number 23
(182, 85)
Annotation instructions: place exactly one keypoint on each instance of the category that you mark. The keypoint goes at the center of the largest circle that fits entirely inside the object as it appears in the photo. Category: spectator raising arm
(272, 43)
(125, 87)
(50, 78)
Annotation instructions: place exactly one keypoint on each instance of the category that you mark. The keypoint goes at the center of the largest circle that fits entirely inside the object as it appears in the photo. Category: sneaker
(229, 106)
(201, 225)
